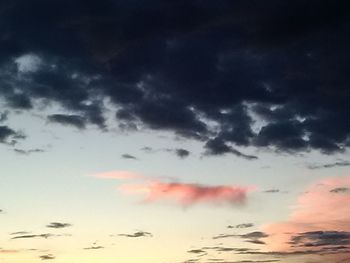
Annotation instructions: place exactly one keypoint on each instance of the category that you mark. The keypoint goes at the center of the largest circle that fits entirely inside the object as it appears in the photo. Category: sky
(174, 131)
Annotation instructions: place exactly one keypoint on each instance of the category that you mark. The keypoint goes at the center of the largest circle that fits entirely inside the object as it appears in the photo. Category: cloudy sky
(174, 131)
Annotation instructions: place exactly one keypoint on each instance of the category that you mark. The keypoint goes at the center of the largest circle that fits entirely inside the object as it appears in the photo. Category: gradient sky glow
(174, 131)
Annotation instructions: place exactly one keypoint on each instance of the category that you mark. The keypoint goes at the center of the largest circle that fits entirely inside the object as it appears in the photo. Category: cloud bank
(226, 73)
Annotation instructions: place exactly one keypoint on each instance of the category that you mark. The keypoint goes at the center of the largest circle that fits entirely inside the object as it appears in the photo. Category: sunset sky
(174, 131)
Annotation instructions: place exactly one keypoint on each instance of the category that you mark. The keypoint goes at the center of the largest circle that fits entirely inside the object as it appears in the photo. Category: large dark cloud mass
(202, 69)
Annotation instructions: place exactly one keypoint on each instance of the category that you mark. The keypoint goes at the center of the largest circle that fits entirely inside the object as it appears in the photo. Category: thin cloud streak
(120, 175)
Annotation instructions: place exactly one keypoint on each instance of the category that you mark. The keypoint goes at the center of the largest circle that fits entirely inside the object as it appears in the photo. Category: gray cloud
(19, 233)
(47, 235)
(58, 225)
(47, 257)
(340, 190)
(4, 116)
(137, 234)
(27, 152)
(129, 156)
(10, 136)
(244, 225)
(330, 165)
(321, 238)
(252, 237)
(70, 120)
(272, 191)
(180, 152)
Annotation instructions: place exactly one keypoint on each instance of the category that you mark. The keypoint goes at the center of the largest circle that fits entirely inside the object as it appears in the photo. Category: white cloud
(28, 63)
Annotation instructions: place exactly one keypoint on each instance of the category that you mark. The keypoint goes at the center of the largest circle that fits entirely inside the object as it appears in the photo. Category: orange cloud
(324, 207)
(188, 194)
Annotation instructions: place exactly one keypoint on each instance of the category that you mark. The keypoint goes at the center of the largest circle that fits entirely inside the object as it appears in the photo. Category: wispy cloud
(340, 163)
(179, 152)
(129, 156)
(58, 225)
(93, 248)
(27, 152)
(47, 257)
(47, 235)
(137, 234)
(272, 191)
(244, 225)
(19, 233)
(339, 190)
(197, 251)
(252, 237)
(120, 175)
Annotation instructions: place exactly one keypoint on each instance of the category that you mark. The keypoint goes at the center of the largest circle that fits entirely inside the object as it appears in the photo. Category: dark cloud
(179, 152)
(330, 165)
(225, 236)
(29, 236)
(58, 225)
(218, 146)
(182, 153)
(26, 236)
(340, 190)
(256, 241)
(256, 234)
(244, 225)
(70, 120)
(201, 69)
(20, 233)
(321, 238)
(27, 152)
(252, 237)
(9, 136)
(129, 156)
(47, 257)
(137, 234)
(272, 191)
(4, 116)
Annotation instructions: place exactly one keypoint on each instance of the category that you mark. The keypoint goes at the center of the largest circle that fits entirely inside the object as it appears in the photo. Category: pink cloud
(188, 194)
(324, 207)
(120, 175)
